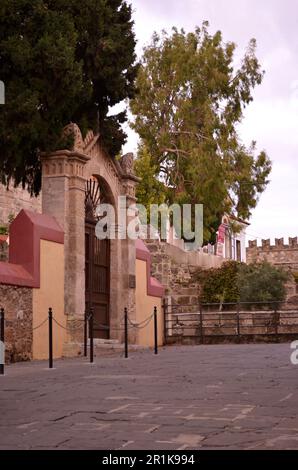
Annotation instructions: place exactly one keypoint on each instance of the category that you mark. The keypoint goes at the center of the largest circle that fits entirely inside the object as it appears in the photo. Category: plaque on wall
(132, 281)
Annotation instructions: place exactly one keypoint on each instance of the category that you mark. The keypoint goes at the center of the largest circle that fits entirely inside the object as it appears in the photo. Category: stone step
(118, 347)
(105, 341)
(76, 349)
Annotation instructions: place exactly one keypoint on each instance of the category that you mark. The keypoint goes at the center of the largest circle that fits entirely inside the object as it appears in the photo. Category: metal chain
(132, 325)
(140, 325)
(66, 328)
(42, 323)
(144, 322)
(143, 325)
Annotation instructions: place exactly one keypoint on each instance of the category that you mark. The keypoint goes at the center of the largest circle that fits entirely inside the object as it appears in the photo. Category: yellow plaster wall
(145, 306)
(50, 294)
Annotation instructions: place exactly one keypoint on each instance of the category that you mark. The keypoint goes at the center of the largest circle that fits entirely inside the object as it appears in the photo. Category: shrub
(261, 282)
(219, 285)
(3, 230)
(238, 282)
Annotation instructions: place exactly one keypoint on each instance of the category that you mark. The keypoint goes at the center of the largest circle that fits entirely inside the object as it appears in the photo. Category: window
(238, 250)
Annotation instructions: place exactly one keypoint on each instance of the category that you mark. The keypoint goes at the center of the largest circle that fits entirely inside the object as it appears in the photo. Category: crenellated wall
(279, 254)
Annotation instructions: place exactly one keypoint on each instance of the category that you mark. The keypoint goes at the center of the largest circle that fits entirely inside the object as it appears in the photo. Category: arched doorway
(97, 262)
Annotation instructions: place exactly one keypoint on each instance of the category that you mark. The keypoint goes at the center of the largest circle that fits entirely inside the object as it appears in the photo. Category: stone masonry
(280, 254)
(13, 200)
(64, 177)
(176, 268)
(3, 251)
(17, 302)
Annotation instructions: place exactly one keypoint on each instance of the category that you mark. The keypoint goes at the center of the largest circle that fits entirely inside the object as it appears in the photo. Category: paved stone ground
(188, 397)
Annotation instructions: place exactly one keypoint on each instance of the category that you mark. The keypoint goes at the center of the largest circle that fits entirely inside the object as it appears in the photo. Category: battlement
(278, 245)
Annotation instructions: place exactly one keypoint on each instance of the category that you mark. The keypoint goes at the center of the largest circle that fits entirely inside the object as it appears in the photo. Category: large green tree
(190, 100)
(61, 61)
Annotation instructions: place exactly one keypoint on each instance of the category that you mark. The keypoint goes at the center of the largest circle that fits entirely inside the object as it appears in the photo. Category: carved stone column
(129, 182)
(63, 196)
(117, 296)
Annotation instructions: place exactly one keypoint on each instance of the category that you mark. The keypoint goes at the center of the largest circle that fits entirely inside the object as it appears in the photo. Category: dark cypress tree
(61, 61)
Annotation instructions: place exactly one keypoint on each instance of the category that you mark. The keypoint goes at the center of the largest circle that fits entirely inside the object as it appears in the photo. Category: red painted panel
(154, 287)
(25, 234)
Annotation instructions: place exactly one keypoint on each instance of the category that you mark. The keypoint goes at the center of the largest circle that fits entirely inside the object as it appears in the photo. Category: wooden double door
(97, 278)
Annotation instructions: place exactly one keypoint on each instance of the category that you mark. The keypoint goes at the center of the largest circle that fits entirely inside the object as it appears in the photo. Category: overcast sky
(272, 119)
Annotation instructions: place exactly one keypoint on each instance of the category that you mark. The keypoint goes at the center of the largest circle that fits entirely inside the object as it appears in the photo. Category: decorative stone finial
(74, 130)
(127, 163)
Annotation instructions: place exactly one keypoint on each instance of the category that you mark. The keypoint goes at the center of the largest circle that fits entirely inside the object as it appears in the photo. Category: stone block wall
(281, 255)
(17, 302)
(13, 200)
(3, 251)
(175, 269)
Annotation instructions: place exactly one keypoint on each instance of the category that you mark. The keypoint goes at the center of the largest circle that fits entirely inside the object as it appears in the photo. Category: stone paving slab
(187, 398)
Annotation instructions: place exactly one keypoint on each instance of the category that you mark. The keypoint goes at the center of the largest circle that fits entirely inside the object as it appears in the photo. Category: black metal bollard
(2, 339)
(201, 324)
(238, 319)
(50, 338)
(85, 333)
(91, 333)
(165, 320)
(125, 333)
(155, 332)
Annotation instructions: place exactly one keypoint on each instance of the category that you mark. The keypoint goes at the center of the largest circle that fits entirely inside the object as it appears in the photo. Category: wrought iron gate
(97, 264)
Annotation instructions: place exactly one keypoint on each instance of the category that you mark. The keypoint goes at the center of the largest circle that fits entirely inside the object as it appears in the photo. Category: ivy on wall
(4, 228)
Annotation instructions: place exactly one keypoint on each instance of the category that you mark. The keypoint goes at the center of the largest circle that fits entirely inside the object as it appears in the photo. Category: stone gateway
(86, 274)
(73, 183)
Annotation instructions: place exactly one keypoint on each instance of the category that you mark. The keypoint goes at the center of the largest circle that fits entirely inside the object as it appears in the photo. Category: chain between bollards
(50, 338)
(155, 332)
(125, 333)
(91, 335)
(2, 340)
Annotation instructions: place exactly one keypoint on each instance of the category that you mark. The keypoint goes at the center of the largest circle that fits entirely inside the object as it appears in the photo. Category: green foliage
(190, 101)
(61, 61)
(11, 218)
(261, 282)
(239, 282)
(4, 229)
(150, 190)
(219, 285)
